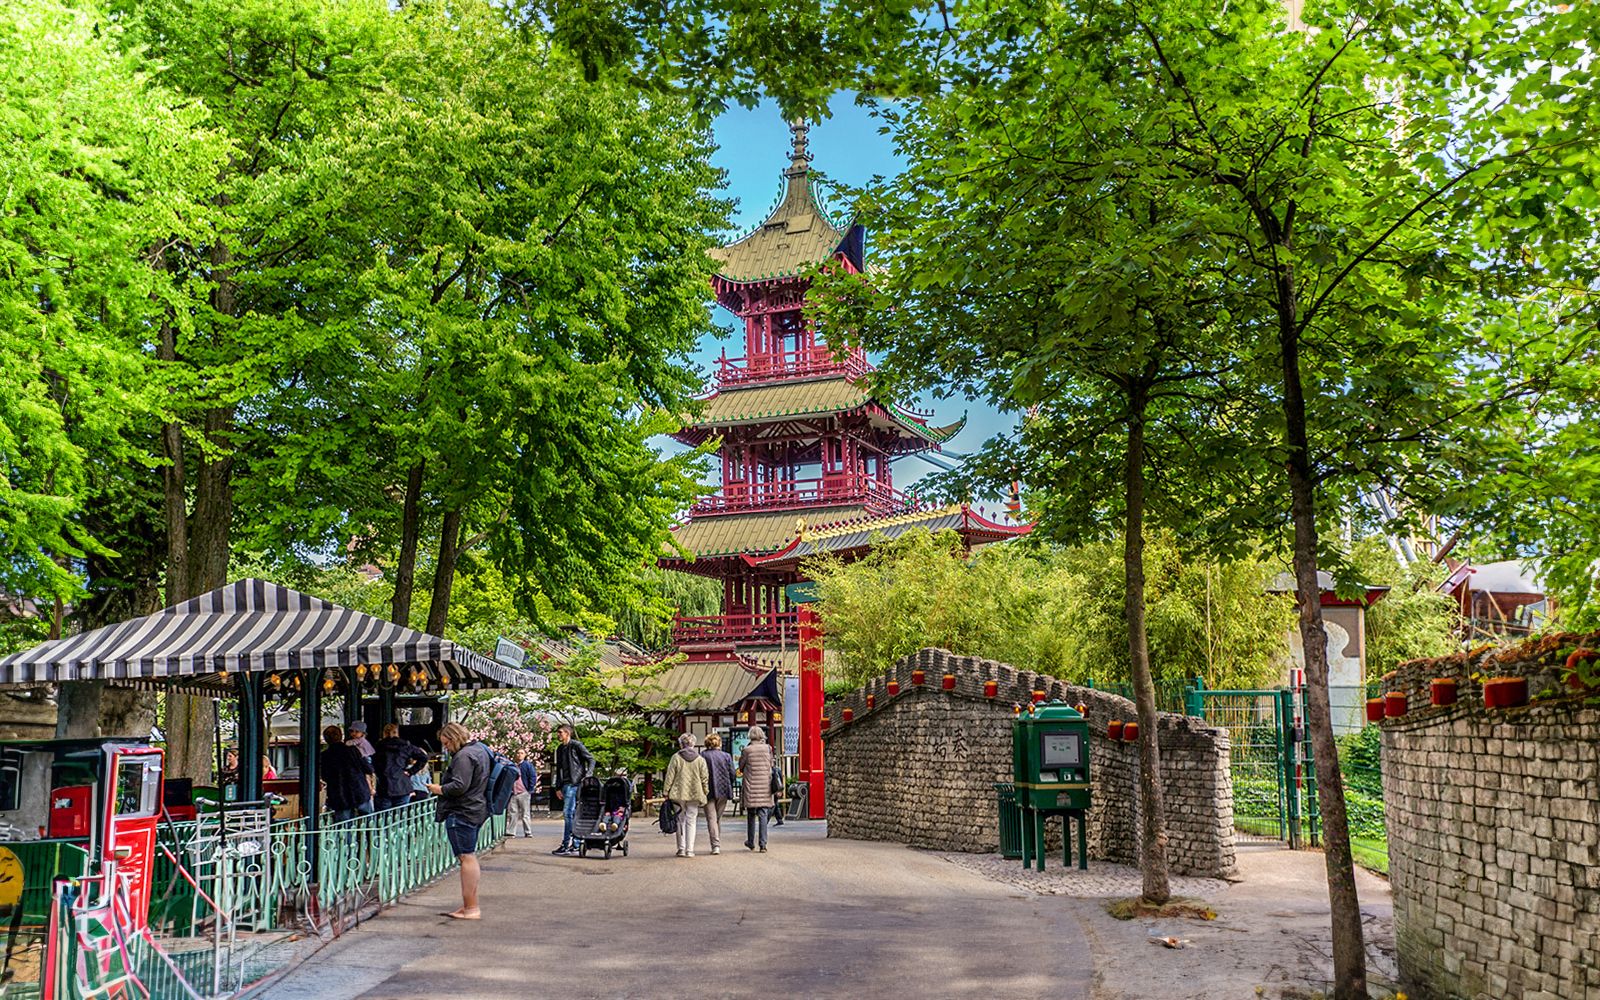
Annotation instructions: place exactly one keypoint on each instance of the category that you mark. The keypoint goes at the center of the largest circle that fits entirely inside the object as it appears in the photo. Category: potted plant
(1394, 704)
(1374, 709)
(1442, 691)
(1505, 692)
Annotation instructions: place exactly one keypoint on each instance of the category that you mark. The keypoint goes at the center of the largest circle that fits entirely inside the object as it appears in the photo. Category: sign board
(791, 715)
(804, 592)
(510, 653)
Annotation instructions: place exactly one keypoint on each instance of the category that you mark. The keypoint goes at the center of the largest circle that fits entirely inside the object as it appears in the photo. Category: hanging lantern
(894, 687)
(394, 674)
(991, 688)
(948, 682)
(919, 678)
(849, 713)
(777, 717)
(327, 683)
(872, 702)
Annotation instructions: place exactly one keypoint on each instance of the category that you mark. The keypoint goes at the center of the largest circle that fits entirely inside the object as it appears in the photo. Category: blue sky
(754, 149)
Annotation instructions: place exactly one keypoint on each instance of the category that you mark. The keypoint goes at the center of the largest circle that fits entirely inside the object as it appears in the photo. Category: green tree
(1413, 620)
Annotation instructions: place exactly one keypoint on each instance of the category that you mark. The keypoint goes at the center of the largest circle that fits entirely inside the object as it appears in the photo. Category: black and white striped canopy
(257, 626)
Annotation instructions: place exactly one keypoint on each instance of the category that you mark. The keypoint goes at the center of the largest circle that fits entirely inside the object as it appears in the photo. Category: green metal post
(1083, 841)
(1066, 840)
(1194, 701)
(310, 745)
(251, 732)
(1038, 833)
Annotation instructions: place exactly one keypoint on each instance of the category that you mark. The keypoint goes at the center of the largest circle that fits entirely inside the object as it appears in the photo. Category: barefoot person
(464, 808)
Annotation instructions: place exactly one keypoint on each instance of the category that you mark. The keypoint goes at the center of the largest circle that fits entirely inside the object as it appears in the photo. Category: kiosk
(1050, 770)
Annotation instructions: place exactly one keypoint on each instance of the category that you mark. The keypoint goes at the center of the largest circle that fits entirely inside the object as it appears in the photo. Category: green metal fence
(1010, 820)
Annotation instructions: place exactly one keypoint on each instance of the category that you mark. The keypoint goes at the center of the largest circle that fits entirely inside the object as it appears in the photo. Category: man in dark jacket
(344, 772)
(574, 762)
(721, 768)
(395, 760)
(464, 807)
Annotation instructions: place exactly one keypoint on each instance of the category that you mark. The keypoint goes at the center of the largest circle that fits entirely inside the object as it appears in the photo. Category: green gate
(1274, 779)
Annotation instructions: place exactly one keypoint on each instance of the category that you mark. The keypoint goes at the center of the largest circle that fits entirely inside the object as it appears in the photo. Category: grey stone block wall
(1494, 834)
(920, 768)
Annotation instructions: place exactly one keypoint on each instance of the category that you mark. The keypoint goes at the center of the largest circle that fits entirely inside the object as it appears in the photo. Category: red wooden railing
(803, 362)
(791, 494)
(775, 627)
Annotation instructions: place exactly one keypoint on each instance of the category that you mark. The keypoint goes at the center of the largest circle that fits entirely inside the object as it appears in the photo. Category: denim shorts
(463, 835)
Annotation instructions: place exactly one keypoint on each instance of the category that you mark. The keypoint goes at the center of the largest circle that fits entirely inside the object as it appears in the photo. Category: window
(138, 785)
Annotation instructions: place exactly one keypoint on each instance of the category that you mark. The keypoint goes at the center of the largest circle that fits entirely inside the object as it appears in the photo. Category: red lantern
(1442, 691)
(1505, 692)
(849, 714)
(991, 688)
(1394, 704)
(948, 682)
(825, 722)
(1374, 709)
(1083, 709)
(919, 677)
(1114, 730)
(894, 687)
(872, 702)
(1038, 696)
(1130, 732)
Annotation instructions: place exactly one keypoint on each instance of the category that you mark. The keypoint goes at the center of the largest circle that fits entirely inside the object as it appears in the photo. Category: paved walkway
(812, 918)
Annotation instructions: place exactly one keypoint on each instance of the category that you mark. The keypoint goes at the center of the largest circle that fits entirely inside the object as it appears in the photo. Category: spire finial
(799, 155)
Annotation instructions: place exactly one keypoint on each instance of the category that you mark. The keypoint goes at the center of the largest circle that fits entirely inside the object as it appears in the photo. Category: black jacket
(574, 762)
(345, 772)
(465, 791)
(395, 761)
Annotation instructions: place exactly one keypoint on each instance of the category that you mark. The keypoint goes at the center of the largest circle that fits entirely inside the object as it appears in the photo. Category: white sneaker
(680, 854)
(689, 855)
(716, 850)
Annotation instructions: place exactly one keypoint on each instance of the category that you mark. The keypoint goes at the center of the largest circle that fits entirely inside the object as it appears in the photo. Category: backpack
(503, 779)
(668, 820)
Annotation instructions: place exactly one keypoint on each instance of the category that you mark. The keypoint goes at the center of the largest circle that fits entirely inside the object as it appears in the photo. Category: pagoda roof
(796, 235)
(863, 532)
(700, 686)
(806, 398)
(738, 534)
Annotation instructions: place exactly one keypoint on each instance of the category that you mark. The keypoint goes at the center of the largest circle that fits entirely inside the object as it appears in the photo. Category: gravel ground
(1270, 939)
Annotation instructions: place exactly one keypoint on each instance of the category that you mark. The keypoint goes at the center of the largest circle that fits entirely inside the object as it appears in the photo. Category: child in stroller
(604, 808)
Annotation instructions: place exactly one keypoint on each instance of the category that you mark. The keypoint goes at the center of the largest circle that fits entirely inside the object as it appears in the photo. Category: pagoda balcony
(774, 629)
(814, 362)
(800, 494)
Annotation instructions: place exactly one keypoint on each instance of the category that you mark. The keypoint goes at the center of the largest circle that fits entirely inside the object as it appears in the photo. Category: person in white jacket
(688, 784)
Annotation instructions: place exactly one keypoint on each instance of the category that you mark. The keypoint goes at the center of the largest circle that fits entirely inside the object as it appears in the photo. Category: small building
(1344, 622)
(1496, 599)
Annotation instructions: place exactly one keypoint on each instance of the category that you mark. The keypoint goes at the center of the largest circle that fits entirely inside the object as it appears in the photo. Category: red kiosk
(806, 456)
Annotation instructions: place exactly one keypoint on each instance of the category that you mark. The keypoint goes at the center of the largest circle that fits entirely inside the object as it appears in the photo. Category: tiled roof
(795, 236)
(724, 685)
(861, 533)
(811, 397)
(731, 534)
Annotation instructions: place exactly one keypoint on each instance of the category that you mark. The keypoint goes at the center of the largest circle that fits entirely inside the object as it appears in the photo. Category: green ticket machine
(1050, 770)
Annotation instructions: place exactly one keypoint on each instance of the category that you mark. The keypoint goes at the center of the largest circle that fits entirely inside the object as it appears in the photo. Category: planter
(1374, 709)
(1505, 692)
(1114, 730)
(1442, 691)
(1394, 704)
(848, 714)
(872, 702)
(825, 722)
(894, 688)
(1130, 732)
(991, 688)
(948, 682)
(1038, 696)
(919, 678)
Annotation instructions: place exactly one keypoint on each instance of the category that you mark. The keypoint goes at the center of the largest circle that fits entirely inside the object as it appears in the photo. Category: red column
(811, 709)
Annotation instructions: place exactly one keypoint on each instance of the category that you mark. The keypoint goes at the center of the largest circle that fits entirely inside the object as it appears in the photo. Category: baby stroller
(600, 804)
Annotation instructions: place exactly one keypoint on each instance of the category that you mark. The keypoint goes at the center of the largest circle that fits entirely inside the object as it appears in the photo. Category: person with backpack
(574, 762)
(463, 808)
(520, 814)
(687, 783)
(756, 762)
(396, 761)
(719, 766)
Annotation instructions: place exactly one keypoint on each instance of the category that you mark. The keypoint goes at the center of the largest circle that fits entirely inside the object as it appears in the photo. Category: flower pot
(1442, 691)
(1038, 696)
(1374, 709)
(1505, 692)
(991, 688)
(848, 714)
(1114, 730)
(872, 702)
(1130, 732)
(948, 682)
(1394, 704)
(824, 722)
(919, 678)
(894, 688)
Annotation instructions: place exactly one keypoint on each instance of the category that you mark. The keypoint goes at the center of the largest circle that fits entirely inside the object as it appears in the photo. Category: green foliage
(1054, 610)
(1413, 620)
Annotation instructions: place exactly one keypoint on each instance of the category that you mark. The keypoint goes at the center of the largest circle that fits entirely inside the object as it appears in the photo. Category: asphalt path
(813, 917)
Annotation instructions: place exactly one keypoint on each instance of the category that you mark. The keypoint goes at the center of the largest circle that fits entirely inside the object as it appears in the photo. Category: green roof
(796, 235)
(807, 398)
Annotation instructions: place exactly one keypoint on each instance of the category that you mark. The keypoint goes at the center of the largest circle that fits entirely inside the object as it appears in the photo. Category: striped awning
(251, 625)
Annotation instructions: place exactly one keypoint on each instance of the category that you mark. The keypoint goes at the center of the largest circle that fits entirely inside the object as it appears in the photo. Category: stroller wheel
(583, 849)
(624, 846)
(608, 852)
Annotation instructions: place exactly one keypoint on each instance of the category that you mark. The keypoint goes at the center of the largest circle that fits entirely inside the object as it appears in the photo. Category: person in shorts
(463, 808)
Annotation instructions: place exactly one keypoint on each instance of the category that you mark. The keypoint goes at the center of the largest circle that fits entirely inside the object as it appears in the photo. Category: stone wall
(920, 768)
(1494, 830)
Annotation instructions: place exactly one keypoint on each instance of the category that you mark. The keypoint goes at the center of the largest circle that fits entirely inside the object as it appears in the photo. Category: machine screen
(1057, 750)
(138, 786)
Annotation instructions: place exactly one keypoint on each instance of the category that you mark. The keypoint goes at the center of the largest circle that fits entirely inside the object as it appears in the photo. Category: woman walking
(720, 767)
(687, 783)
(755, 762)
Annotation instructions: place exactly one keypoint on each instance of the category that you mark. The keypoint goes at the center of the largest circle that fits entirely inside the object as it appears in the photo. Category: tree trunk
(1153, 832)
(1349, 950)
(78, 709)
(405, 575)
(444, 572)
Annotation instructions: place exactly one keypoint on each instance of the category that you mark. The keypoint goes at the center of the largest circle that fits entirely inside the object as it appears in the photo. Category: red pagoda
(807, 449)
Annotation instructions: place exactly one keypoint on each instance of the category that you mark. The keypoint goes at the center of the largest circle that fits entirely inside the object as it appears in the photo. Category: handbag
(776, 784)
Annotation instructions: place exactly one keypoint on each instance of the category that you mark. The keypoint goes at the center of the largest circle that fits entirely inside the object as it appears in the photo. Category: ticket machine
(1050, 769)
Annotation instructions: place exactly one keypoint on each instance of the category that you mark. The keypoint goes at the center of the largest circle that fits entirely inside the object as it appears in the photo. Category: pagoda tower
(807, 450)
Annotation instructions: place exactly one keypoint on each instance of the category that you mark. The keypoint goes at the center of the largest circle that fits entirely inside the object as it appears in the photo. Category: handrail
(805, 361)
(781, 494)
(764, 627)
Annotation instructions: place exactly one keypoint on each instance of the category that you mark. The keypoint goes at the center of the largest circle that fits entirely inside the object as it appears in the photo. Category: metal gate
(1274, 779)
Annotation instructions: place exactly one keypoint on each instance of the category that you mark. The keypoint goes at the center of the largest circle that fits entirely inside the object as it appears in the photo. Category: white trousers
(686, 823)
(519, 814)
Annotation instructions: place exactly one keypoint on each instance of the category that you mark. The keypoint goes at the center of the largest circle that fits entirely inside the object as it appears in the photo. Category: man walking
(719, 768)
(574, 762)
(686, 785)
(344, 772)
(463, 808)
(519, 815)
